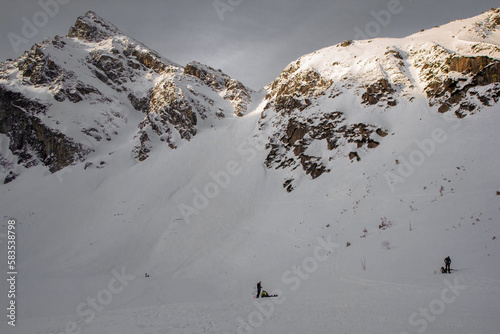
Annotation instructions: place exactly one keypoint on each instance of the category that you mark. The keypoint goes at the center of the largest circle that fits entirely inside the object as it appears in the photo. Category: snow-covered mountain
(341, 185)
(66, 95)
(309, 106)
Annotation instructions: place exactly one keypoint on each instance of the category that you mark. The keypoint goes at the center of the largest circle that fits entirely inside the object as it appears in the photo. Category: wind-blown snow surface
(207, 221)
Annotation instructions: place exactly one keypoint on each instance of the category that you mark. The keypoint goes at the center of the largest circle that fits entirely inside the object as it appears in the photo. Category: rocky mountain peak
(93, 28)
(45, 94)
(326, 109)
(307, 123)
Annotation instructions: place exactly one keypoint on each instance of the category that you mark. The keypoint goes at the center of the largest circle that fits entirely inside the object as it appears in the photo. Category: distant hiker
(447, 262)
(259, 287)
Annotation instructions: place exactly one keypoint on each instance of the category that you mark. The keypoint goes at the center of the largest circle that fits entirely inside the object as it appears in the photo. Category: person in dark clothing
(447, 263)
(259, 287)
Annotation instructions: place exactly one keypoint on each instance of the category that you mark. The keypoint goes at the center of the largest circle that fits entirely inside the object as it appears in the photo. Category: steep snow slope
(354, 250)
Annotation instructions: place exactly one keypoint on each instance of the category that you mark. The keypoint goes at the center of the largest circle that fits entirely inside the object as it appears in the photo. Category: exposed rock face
(167, 108)
(379, 91)
(346, 43)
(294, 89)
(462, 82)
(455, 82)
(230, 89)
(30, 139)
(92, 28)
(116, 68)
(300, 133)
(328, 130)
(38, 69)
(149, 59)
(125, 63)
(295, 125)
(177, 106)
(204, 74)
(10, 177)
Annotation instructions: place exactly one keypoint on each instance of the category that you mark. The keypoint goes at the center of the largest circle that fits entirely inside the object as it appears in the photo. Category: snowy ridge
(98, 83)
(93, 28)
(455, 67)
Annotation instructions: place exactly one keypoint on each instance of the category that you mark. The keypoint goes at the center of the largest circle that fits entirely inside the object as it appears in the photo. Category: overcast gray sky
(250, 40)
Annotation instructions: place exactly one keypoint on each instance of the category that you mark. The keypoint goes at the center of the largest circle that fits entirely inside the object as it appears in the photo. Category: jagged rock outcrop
(379, 91)
(92, 28)
(466, 79)
(230, 89)
(30, 139)
(10, 177)
(294, 89)
(168, 108)
(313, 142)
(455, 82)
(180, 101)
(38, 69)
(297, 124)
(301, 133)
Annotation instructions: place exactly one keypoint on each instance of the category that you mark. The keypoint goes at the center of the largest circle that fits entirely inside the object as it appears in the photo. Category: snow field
(202, 273)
